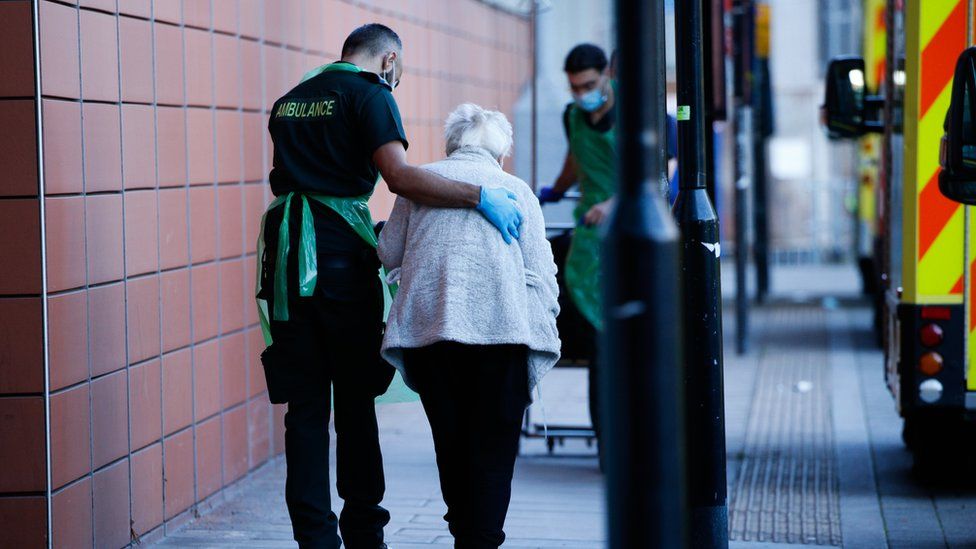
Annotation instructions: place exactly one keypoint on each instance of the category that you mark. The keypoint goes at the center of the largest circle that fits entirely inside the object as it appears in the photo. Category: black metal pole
(700, 282)
(759, 212)
(713, 62)
(742, 20)
(641, 382)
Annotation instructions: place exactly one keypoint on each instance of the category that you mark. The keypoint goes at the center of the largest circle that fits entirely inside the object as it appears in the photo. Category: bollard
(700, 281)
(641, 379)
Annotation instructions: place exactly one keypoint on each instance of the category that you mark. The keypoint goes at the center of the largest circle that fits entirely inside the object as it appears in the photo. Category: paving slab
(815, 457)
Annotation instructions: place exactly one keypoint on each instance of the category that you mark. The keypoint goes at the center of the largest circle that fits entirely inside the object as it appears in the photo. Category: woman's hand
(598, 213)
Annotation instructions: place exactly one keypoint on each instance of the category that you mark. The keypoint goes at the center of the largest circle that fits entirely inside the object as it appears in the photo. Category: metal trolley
(577, 346)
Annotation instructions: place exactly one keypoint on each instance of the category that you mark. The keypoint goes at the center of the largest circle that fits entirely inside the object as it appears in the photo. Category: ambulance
(924, 255)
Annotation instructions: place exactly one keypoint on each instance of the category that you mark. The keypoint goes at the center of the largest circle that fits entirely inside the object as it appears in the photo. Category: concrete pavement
(814, 451)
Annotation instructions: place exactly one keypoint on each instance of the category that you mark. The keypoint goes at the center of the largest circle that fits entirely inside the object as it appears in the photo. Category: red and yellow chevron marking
(936, 33)
(875, 41)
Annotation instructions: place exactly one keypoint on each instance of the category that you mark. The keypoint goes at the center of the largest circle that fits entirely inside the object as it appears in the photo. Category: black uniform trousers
(474, 397)
(331, 340)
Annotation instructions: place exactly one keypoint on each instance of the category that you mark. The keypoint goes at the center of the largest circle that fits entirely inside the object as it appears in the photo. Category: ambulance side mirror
(957, 152)
(843, 110)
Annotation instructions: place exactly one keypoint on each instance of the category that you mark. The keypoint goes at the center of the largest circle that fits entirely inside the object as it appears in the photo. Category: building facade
(135, 158)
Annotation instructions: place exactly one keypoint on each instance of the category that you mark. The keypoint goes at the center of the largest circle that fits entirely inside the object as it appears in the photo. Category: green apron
(596, 162)
(355, 211)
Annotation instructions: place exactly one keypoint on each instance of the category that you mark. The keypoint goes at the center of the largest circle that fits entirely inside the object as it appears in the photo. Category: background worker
(592, 163)
(334, 135)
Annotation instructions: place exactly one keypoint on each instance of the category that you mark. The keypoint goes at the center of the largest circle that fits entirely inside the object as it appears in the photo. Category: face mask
(389, 76)
(592, 100)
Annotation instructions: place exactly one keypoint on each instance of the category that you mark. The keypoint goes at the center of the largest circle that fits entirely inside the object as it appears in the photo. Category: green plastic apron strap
(354, 210)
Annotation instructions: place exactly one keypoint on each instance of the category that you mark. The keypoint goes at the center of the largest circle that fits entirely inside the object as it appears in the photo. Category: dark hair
(373, 39)
(585, 56)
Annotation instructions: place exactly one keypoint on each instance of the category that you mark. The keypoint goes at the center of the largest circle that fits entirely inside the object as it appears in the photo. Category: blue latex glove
(549, 194)
(500, 207)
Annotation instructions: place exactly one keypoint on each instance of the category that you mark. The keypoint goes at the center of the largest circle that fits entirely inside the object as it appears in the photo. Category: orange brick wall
(155, 165)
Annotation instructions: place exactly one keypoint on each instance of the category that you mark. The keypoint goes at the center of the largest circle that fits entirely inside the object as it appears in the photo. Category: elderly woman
(473, 325)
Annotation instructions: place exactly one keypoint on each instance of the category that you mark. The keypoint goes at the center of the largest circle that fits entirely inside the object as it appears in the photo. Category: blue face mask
(592, 100)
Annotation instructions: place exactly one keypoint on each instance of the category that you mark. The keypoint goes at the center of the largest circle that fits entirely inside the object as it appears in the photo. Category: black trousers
(331, 341)
(474, 397)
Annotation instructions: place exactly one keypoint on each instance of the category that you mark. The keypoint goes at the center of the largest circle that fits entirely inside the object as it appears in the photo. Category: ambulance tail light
(931, 363)
(931, 335)
(936, 313)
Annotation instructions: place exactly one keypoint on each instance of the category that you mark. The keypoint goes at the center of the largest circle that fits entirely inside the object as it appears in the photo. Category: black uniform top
(325, 131)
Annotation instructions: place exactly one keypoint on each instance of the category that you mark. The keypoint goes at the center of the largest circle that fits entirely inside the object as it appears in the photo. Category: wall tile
(168, 10)
(135, 50)
(71, 516)
(235, 444)
(145, 404)
(142, 322)
(171, 143)
(138, 147)
(251, 17)
(251, 74)
(59, 50)
(278, 428)
(200, 145)
(173, 227)
(62, 147)
(208, 461)
(99, 56)
(229, 140)
(203, 295)
(206, 380)
(103, 148)
(16, 50)
(70, 436)
(250, 278)
(104, 5)
(274, 79)
(203, 225)
(233, 370)
(254, 207)
(110, 489)
(141, 236)
(20, 225)
(110, 416)
(199, 67)
(230, 222)
(232, 301)
(65, 242)
(175, 294)
(254, 129)
(196, 13)
(103, 227)
(68, 338)
(136, 8)
(147, 489)
(225, 15)
(169, 63)
(177, 391)
(23, 520)
(21, 337)
(254, 340)
(227, 71)
(18, 145)
(258, 431)
(178, 471)
(106, 321)
(22, 435)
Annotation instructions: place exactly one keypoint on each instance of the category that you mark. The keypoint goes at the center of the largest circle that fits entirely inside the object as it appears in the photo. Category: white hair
(472, 126)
